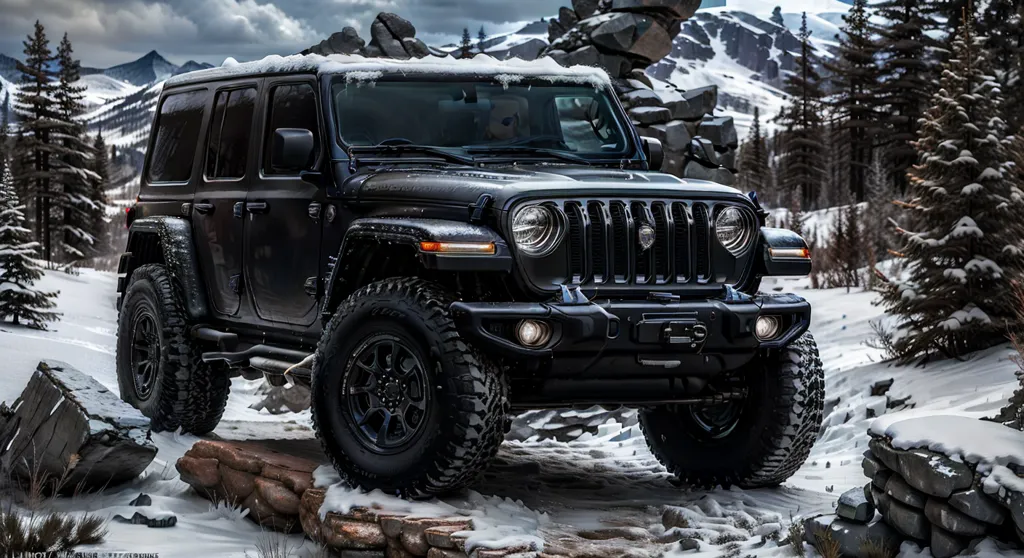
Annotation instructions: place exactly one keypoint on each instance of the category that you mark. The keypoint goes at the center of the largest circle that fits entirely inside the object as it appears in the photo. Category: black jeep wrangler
(432, 245)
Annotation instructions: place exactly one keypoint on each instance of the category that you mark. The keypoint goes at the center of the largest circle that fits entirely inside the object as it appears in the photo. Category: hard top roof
(359, 68)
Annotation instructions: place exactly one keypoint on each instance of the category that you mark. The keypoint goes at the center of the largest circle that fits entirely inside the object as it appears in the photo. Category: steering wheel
(397, 141)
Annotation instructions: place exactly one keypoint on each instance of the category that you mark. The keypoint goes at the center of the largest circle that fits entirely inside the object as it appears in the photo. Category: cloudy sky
(109, 32)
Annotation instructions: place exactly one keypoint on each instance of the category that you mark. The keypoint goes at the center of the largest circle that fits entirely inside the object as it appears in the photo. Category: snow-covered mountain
(150, 68)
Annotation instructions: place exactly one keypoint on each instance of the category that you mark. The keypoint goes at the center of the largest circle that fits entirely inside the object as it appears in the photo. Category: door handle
(257, 207)
(203, 207)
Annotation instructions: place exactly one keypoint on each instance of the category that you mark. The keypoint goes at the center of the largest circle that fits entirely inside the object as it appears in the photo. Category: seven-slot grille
(604, 247)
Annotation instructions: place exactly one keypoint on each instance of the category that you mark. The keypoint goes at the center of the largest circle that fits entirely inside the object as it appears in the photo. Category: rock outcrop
(267, 483)
(391, 36)
(72, 433)
(939, 499)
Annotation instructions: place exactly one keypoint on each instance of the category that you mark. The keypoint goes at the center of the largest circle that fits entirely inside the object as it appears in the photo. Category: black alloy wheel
(387, 383)
(145, 352)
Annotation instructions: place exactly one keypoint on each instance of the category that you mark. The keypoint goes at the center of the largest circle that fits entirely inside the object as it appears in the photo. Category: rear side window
(177, 133)
(291, 106)
(228, 150)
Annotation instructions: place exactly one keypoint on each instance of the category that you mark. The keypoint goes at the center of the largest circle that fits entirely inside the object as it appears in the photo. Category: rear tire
(159, 369)
(758, 442)
(380, 430)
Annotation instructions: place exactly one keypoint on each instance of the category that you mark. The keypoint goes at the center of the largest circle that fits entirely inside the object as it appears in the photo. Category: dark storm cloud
(107, 32)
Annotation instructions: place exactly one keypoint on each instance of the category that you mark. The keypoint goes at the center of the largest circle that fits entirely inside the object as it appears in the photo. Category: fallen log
(70, 433)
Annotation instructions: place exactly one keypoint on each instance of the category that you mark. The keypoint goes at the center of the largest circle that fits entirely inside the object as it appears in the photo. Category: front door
(282, 229)
(217, 226)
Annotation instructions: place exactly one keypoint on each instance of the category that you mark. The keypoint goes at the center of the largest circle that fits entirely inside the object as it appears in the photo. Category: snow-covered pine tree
(906, 54)
(949, 17)
(877, 230)
(855, 78)
(754, 174)
(481, 36)
(467, 43)
(73, 164)
(969, 245)
(37, 114)
(98, 192)
(802, 159)
(1002, 25)
(19, 302)
(5, 131)
(837, 153)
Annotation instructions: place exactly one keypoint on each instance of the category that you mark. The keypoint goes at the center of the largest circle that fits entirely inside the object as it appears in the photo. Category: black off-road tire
(777, 425)
(186, 393)
(467, 413)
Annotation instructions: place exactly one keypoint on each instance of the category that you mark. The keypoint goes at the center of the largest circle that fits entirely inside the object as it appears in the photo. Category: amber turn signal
(790, 253)
(458, 247)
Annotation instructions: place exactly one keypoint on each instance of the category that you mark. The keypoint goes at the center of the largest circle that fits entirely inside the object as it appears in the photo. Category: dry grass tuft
(796, 538)
(826, 545)
(49, 533)
(272, 544)
(874, 548)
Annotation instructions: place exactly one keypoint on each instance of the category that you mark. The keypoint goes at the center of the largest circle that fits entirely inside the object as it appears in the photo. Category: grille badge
(645, 235)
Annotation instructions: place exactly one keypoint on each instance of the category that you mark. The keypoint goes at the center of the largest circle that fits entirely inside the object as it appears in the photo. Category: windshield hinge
(478, 207)
(622, 164)
(353, 164)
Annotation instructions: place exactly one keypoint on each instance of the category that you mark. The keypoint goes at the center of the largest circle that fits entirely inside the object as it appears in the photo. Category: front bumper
(635, 338)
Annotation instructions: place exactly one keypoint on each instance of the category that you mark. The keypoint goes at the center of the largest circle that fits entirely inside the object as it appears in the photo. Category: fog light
(767, 328)
(533, 333)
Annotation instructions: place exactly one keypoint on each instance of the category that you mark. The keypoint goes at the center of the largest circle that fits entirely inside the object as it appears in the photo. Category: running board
(243, 358)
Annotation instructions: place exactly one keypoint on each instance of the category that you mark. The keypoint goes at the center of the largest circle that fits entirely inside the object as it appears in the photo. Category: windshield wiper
(406, 149)
(526, 149)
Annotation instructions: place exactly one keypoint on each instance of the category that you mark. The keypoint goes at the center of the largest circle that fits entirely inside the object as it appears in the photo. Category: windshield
(480, 117)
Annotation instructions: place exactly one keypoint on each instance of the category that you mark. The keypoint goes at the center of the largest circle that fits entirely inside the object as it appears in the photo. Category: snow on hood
(364, 69)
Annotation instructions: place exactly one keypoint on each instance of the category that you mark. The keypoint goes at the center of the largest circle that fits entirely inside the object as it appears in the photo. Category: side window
(177, 133)
(228, 149)
(291, 106)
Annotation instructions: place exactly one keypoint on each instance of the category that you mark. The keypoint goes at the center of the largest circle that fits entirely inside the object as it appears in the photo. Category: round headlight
(536, 230)
(733, 229)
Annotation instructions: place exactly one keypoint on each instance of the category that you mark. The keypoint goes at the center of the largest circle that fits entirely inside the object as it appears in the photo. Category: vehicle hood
(463, 186)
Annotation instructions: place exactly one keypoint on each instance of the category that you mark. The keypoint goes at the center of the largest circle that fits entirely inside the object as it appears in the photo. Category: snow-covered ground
(541, 488)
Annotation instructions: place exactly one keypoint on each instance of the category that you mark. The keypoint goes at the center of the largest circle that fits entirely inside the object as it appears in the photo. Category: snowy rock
(152, 519)
(976, 504)
(633, 34)
(933, 473)
(698, 171)
(413, 534)
(881, 387)
(942, 515)
(584, 8)
(870, 465)
(415, 47)
(909, 521)
(650, 115)
(945, 544)
(694, 103)
(885, 453)
(853, 505)
(898, 489)
(336, 531)
(142, 500)
(721, 130)
(689, 544)
(78, 427)
(398, 26)
(267, 483)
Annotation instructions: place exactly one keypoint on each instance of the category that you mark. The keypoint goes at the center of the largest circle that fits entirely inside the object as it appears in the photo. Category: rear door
(217, 212)
(283, 227)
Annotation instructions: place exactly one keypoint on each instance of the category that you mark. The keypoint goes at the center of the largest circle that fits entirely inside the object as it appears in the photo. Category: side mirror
(654, 152)
(292, 149)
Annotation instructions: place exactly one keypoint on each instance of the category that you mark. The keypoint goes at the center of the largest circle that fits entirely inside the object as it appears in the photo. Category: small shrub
(874, 548)
(826, 545)
(272, 544)
(725, 538)
(731, 550)
(796, 538)
(49, 533)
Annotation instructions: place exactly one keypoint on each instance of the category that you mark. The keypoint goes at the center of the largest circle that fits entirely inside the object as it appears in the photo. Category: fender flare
(411, 232)
(174, 237)
(784, 253)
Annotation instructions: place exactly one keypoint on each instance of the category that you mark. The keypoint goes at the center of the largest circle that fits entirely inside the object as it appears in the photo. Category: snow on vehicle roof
(359, 68)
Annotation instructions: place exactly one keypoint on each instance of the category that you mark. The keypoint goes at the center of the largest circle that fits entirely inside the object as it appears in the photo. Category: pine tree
(906, 52)
(968, 203)
(880, 195)
(467, 43)
(99, 185)
(803, 164)
(777, 16)
(5, 131)
(75, 177)
(481, 36)
(36, 108)
(754, 174)
(19, 302)
(855, 80)
(1002, 25)
(949, 17)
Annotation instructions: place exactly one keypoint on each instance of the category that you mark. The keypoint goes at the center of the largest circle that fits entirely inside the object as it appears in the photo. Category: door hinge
(314, 210)
(236, 283)
(238, 209)
(312, 286)
(478, 207)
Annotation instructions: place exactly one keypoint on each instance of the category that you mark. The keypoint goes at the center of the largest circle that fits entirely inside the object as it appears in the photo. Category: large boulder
(635, 35)
(66, 425)
(267, 483)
